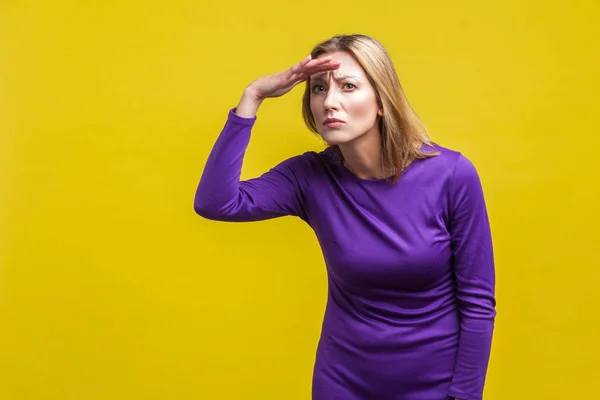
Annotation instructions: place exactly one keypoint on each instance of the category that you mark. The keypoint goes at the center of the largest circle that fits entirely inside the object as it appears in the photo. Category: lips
(331, 120)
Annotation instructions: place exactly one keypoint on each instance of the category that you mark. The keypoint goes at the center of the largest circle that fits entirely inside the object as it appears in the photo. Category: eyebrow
(320, 78)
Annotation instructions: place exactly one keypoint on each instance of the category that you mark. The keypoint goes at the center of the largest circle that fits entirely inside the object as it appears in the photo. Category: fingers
(296, 82)
(315, 69)
(309, 63)
(319, 62)
(307, 67)
(297, 76)
(322, 68)
(306, 60)
(303, 75)
(297, 67)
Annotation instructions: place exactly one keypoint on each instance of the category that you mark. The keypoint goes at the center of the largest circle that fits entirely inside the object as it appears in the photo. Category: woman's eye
(321, 88)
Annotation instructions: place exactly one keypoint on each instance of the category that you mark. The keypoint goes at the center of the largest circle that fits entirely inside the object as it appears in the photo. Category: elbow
(213, 209)
(205, 208)
(481, 312)
(206, 211)
(201, 211)
(202, 204)
(478, 307)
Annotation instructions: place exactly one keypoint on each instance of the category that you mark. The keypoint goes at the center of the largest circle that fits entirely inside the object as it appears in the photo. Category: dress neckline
(347, 174)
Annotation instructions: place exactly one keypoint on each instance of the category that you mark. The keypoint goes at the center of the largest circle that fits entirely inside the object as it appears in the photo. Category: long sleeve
(475, 281)
(222, 196)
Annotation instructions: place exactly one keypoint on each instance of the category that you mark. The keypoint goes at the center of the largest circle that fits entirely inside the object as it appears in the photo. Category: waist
(391, 330)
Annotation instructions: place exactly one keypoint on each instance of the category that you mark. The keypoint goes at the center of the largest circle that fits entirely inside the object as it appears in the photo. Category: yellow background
(112, 288)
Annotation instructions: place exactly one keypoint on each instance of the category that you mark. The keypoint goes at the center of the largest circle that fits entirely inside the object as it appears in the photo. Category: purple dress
(410, 309)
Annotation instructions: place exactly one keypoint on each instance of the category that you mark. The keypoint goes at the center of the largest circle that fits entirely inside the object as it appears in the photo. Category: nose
(331, 99)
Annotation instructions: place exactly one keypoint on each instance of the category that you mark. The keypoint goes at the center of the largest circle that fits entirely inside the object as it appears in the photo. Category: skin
(347, 94)
(351, 99)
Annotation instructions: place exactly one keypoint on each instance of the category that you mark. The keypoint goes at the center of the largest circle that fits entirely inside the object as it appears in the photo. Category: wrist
(249, 104)
(252, 93)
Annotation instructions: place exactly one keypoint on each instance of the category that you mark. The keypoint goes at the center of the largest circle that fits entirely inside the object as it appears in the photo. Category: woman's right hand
(278, 84)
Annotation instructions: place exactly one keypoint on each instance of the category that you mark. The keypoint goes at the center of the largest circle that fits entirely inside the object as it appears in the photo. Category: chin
(336, 138)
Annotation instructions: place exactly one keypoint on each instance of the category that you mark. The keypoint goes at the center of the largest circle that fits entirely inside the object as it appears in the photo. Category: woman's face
(346, 95)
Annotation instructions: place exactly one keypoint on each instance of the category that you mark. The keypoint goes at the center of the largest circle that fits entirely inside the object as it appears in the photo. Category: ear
(380, 112)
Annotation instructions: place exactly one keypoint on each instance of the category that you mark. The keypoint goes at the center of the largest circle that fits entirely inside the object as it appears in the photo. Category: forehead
(349, 65)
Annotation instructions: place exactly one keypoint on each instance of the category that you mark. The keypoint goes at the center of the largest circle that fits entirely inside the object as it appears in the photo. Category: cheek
(316, 111)
(363, 105)
(314, 105)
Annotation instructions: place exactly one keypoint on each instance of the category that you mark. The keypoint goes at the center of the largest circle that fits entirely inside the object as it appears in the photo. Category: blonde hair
(402, 132)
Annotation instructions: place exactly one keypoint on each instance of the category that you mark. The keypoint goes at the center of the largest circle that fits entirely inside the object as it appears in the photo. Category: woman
(401, 221)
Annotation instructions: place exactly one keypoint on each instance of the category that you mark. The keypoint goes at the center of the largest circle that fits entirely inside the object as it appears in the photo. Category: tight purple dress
(411, 305)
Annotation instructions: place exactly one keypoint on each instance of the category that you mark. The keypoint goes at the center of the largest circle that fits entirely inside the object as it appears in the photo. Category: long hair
(402, 132)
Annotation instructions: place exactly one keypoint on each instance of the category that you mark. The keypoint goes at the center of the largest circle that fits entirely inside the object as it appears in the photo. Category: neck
(362, 156)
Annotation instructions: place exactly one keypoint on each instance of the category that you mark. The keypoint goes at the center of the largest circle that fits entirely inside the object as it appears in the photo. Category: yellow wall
(112, 288)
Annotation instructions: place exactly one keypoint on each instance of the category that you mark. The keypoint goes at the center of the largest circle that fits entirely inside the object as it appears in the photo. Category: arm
(220, 194)
(475, 280)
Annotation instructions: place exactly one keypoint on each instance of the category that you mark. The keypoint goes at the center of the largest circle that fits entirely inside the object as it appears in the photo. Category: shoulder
(450, 170)
(303, 160)
(452, 161)
(311, 161)
(447, 156)
(463, 178)
(301, 167)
